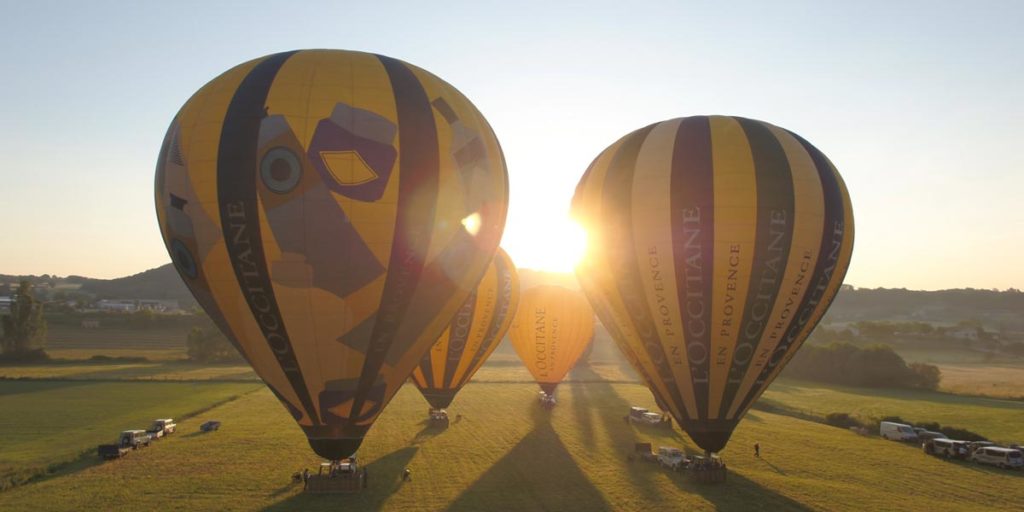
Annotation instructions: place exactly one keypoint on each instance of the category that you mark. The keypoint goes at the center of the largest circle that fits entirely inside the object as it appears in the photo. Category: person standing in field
(757, 449)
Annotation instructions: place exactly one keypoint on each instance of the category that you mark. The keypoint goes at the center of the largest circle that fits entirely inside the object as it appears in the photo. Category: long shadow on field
(384, 477)
(428, 431)
(581, 402)
(738, 493)
(538, 473)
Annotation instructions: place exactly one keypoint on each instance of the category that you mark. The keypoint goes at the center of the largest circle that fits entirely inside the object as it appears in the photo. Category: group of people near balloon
(338, 215)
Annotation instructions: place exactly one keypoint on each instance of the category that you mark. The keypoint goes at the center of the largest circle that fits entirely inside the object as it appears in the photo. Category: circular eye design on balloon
(183, 259)
(280, 170)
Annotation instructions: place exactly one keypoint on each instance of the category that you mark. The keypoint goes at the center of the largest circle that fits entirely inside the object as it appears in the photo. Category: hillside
(159, 283)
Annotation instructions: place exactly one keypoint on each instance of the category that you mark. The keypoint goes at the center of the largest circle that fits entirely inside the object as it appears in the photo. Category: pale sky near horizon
(919, 104)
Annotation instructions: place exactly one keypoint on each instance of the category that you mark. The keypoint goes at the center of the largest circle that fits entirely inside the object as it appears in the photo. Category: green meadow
(504, 454)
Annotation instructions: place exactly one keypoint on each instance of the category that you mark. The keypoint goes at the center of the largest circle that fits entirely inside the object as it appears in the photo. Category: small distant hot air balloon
(716, 245)
(551, 329)
(331, 211)
(476, 330)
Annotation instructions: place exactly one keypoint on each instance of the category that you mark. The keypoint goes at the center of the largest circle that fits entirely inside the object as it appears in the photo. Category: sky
(920, 105)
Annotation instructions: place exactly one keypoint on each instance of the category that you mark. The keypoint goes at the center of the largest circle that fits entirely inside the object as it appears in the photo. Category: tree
(24, 328)
(928, 376)
(209, 346)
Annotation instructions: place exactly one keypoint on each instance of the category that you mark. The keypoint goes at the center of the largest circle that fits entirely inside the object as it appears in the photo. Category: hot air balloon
(551, 329)
(475, 331)
(716, 245)
(331, 211)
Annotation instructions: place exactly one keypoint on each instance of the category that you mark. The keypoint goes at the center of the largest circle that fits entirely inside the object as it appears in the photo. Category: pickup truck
(670, 457)
(643, 416)
(129, 440)
(162, 428)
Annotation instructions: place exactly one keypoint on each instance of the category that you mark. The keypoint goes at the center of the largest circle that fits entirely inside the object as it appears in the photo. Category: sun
(550, 244)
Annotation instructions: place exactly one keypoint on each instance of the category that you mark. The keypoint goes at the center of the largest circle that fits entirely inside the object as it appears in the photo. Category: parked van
(999, 456)
(896, 431)
(945, 448)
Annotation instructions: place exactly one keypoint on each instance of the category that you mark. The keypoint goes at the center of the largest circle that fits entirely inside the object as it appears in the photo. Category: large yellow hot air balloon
(552, 327)
(477, 329)
(716, 245)
(331, 210)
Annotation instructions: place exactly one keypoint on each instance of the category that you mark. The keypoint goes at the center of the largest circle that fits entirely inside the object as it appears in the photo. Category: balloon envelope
(552, 327)
(716, 245)
(331, 210)
(474, 333)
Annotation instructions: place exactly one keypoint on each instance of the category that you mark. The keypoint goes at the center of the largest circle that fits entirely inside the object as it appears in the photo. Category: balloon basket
(708, 470)
(547, 401)
(709, 475)
(438, 418)
(342, 476)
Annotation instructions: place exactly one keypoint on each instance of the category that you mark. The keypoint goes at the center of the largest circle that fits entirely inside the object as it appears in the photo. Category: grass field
(983, 379)
(507, 454)
(155, 370)
(997, 419)
(45, 423)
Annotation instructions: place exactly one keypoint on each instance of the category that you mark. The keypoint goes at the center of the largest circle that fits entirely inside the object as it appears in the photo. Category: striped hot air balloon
(331, 211)
(716, 245)
(552, 328)
(477, 329)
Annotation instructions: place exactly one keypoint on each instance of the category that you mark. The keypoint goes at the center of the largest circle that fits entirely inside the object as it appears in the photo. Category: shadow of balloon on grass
(384, 478)
(538, 473)
(737, 493)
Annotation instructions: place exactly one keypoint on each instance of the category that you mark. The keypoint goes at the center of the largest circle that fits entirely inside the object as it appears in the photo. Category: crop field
(505, 453)
(45, 423)
(983, 379)
(116, 338)
(147, 371)
(997, 419)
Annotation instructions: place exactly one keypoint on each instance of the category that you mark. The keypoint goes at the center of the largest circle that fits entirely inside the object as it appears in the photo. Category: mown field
(508, 454)
(48, 423)
(176, 370)
(994, 418)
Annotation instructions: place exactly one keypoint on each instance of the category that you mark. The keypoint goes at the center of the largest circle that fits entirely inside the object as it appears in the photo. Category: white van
(999, 456)
(896, 431)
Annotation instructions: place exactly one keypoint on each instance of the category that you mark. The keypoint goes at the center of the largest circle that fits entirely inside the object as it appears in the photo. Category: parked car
(209, 426)
(925, 435)
(670, 457)
(976, 445)
(896, 431)
(948, 448)
(643, 416)
(128, 440)
(999, 456)
(644, 452)
(162, 427)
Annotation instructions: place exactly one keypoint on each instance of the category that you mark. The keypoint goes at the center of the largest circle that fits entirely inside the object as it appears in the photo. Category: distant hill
(162, 283)
(998, 310)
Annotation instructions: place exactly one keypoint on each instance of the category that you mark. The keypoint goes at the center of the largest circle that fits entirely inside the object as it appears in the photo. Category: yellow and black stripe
(552, 328)
(716, 245)
(316, 203)
(471, 337)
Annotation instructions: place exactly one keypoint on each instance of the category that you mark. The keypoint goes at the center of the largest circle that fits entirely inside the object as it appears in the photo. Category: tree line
(871, 366)
(24, 328)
